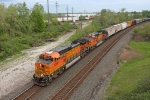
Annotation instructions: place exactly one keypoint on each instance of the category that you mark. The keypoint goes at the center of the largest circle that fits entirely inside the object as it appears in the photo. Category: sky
(86, 5)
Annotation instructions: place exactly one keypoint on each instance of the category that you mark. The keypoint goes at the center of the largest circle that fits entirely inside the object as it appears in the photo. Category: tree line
(17, 19)
(22, 28)
(106, 18)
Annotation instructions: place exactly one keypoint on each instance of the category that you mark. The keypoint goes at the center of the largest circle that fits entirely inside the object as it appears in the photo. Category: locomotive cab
(44, 67)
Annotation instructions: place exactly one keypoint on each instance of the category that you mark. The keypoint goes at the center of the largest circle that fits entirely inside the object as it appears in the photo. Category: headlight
(42, 75)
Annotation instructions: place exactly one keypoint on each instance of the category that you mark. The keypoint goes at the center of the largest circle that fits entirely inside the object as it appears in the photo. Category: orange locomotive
(52, 63)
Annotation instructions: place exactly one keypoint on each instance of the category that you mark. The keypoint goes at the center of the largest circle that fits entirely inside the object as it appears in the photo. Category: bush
(144, 31)
(4, 37)
(136, 30)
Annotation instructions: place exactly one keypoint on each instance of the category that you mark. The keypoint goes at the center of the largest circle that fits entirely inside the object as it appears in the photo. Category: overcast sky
(86, 5)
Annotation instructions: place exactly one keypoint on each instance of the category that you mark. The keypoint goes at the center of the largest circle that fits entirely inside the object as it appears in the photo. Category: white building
(75, 16)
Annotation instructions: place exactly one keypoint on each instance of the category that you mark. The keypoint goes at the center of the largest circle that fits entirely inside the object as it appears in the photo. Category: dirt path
(17, 73)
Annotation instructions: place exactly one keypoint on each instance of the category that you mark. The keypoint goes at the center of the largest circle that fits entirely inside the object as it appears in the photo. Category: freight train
(52, 63)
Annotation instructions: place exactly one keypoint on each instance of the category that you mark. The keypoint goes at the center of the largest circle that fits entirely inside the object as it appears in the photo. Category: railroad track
(29, 93)
(66, 91)
(76, 80)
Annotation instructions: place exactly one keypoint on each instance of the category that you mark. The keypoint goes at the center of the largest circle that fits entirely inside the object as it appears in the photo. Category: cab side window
(55, 59)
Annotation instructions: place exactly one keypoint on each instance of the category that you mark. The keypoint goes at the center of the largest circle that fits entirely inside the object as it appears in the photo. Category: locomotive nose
(40, 79)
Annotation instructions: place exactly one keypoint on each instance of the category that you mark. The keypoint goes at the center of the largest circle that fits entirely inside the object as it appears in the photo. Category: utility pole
(56, 8)
(63, 17)
(48, 15)
(81, 21)
(67, 12)
(72, 14)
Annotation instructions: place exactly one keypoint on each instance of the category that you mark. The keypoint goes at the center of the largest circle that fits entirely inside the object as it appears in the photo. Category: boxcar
(145, 19)
(110, 30)
(133, 22)
(123, 25)
(129, 23)
(137, 21)
(119, 27)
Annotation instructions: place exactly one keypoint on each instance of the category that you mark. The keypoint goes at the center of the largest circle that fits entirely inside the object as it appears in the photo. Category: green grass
(143, 47)
(132, 80)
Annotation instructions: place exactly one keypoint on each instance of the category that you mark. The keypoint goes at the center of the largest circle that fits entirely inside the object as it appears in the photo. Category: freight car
(129, 23)
(124, 25)
(110, 30)
(52, 63)
(133, 22)
(118, 27)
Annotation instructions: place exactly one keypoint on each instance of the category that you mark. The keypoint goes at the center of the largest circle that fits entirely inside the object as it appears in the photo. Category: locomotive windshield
(46, 61)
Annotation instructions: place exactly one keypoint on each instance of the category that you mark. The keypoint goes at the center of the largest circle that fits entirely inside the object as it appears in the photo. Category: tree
(108, 18)
(103, 18)
(23, 18)
(2, 18)
(146, 13)
(37, 17)
(11, 19)
(137, 15)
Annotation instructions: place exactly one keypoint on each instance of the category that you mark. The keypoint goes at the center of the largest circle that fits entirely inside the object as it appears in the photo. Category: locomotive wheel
(55, 74)
(82, 54)
(47, 80)
(50, 78)
(61, 70)
(47, 83)
(88, 50)
(91, 48)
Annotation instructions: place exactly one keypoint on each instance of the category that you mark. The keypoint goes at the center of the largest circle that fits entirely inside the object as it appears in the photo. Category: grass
(132, 79)
(143, 47)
